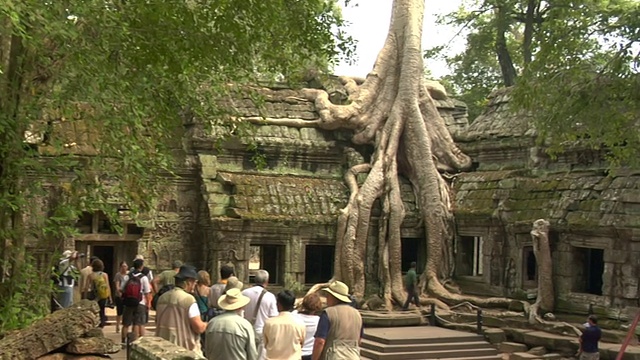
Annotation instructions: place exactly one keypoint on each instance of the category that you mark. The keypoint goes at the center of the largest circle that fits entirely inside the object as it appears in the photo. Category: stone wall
(292, 201)
(595, 223)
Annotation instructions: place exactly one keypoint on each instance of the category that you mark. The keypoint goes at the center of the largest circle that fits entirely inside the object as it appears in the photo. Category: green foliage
(583, 85)
(95, 94)
(24, 301)
(580, 82)
(475, 72)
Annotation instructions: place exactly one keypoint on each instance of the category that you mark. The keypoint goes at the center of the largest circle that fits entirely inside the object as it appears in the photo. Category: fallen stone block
(512, 347)
(552, 356)
(65, 356)
(97, 332)
(51, 332)
(495, 336)
(538, 350)
(155, 348)
(93, 345)
(523, 356)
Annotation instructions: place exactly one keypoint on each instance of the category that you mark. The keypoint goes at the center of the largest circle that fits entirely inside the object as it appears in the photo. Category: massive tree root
(393, 109)
(545, 301)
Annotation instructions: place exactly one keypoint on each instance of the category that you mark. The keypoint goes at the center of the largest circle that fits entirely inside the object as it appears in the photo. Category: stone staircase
(424, 342)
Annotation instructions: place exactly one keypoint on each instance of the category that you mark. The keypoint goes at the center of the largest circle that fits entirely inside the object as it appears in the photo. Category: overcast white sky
(369, 23)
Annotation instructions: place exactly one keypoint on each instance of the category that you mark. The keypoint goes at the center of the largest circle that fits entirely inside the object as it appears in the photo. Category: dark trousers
(103, 317)
(307, 357)
(412, 294)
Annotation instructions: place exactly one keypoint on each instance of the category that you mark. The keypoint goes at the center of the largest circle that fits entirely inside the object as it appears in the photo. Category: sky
(369, 22)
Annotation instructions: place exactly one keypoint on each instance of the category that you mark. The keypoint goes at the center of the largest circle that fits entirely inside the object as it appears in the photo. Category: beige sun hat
(340, 290)
(233, 300)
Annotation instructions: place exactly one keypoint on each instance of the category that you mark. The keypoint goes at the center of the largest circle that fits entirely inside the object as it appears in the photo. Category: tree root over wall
(394, 110)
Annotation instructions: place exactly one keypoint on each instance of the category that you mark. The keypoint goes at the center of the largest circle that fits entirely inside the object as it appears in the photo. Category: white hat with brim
(233, 300)
(339, 290)
(66, 254)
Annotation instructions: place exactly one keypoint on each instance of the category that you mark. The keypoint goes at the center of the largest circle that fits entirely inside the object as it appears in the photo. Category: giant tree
(93, 92)
(394, 111)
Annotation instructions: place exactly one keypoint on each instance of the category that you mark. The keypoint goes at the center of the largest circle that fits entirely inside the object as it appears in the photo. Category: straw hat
(233, 300)
(339, 290)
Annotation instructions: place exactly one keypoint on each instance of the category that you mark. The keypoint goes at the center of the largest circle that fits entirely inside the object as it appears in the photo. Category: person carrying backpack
(98, 288)
(64, 275)
(136, 298)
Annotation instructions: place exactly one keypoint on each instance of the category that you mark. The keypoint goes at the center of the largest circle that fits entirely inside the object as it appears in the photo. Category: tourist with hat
(339, 328)
(230, 336)
(66, 274)
(177, 313)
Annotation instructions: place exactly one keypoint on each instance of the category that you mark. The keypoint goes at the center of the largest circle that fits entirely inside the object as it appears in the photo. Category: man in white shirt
(262, 305)
(135, 314)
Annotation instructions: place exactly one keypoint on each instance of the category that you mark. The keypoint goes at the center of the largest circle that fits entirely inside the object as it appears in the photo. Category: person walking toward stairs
(411, 286)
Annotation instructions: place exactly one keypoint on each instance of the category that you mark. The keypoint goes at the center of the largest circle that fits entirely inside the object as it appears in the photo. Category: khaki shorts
(590, 356)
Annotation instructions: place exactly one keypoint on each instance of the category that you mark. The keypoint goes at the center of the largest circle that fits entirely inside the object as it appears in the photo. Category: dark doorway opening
(106, 254)
(589, 267)
(413, 250)
(530, 267)
(318, 263)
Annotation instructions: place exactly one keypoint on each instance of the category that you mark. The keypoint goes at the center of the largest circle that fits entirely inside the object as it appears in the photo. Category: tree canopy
(574, 66)
(108, 83)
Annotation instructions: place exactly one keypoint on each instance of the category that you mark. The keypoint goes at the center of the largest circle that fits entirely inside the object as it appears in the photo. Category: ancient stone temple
(274, 205)
(595, 218)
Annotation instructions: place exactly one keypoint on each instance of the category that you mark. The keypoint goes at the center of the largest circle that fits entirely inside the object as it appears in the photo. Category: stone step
(468, 354)
(418, 337)
(387, 348)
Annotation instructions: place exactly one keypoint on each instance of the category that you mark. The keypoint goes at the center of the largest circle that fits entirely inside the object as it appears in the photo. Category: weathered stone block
(552, 356)
(538, 350)
(512, 347)
(155, 348)
(93, 345)
(495, 336)
(523, 356)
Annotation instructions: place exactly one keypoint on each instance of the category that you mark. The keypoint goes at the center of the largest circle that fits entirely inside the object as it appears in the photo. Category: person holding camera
(65, 276)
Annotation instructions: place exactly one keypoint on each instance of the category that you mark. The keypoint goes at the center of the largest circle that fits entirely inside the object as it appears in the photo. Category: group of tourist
(223, 321)
(254, 323)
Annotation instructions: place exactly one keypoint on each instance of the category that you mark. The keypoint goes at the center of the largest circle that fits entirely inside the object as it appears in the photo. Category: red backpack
(132, 294)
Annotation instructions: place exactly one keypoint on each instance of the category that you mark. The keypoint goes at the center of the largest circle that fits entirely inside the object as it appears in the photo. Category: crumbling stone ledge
(155, 348)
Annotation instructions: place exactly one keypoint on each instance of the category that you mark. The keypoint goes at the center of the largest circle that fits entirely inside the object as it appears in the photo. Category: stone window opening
(588, 270)
(529, 268)
(469, 256)
(270, 258)
(318, 263)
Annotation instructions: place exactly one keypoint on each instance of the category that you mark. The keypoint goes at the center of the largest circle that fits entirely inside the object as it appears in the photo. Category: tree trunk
(540, 235)
(393, 110)
(51, 332)
(502, 51)
(532, 6)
